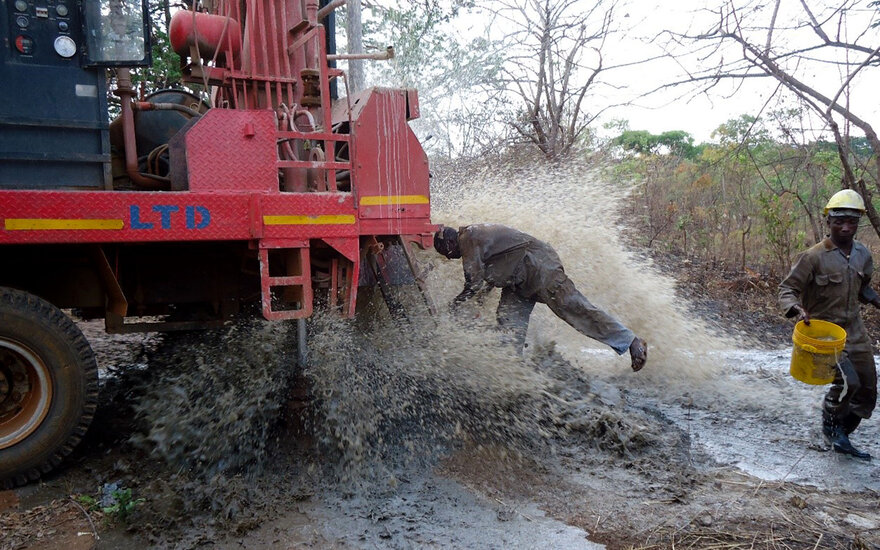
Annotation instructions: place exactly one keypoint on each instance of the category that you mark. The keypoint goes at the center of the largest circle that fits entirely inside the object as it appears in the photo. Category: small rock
(107, 497)
(122, 466)
(798, 502)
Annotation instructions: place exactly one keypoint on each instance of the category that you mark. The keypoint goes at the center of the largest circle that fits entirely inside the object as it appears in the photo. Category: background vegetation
(747, 200)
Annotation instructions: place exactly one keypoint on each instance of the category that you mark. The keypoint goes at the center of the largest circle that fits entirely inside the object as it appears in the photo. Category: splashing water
(218, 397)
(387, 390)
(574, 209)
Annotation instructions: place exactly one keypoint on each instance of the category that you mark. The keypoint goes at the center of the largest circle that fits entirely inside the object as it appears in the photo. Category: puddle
(773, 432)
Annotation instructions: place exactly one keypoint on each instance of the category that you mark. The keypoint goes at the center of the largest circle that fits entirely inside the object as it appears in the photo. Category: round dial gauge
(65, 46)
(61, 10)
(21, 5)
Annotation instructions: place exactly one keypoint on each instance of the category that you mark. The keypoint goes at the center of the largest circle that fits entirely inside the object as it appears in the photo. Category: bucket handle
(809, 349)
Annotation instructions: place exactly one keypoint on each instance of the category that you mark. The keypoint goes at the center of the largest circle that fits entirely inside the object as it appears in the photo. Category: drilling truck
(268, 193)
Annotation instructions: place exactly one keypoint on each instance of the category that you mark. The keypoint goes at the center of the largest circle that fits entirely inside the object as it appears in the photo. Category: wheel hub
(25, 392)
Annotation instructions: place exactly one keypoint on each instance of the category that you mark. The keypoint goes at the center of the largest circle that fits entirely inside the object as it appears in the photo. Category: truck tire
(48, 387)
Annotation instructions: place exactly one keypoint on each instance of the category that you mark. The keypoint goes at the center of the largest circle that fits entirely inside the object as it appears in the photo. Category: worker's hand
(638, 351)
(802, 314)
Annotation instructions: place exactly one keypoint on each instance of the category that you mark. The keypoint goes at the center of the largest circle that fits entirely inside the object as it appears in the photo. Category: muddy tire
(48, 387)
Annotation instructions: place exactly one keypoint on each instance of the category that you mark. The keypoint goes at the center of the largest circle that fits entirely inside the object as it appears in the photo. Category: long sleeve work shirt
(830, 285)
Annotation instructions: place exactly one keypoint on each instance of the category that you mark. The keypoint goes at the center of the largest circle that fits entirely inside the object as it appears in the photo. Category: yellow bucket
(816, 350)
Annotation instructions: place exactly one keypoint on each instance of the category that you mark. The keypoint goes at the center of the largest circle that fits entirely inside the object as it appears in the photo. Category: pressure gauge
(65, 46)
(61, 10)
(21, 5)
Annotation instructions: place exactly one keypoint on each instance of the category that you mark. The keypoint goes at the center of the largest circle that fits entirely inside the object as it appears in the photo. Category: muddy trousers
(569, 305)
(853, 393)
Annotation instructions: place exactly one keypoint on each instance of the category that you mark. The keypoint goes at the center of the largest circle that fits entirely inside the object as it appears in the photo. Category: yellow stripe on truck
(327, 219)
(40, 224)
(381, 200)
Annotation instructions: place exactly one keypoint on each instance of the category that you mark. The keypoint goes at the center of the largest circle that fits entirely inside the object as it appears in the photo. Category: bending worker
(529, 271)
(827, 282)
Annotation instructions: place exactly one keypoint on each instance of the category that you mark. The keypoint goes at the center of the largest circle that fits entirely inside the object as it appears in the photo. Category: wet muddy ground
(627, 467)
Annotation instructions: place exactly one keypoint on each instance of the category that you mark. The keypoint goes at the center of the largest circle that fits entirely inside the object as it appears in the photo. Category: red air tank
(208, 32)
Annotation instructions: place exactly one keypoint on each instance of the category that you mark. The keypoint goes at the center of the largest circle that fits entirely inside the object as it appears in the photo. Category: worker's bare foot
(638, 350)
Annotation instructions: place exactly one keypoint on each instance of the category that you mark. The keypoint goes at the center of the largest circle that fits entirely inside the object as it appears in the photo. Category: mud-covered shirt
(830, 285)
(494, 255)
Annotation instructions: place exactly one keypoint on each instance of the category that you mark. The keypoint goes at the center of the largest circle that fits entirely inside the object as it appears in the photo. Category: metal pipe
(312, 12)
(326, 10)
(126, 93)
(147, 106)
(379, 56)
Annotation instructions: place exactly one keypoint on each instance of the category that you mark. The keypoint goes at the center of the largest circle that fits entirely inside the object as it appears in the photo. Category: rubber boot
(841, 444)
(850, 422)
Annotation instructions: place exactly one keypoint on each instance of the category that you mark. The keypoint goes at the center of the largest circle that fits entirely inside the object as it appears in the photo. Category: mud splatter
(398, 395)
(217, 406)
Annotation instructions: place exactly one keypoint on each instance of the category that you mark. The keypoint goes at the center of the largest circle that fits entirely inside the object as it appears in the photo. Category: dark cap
(446, 240)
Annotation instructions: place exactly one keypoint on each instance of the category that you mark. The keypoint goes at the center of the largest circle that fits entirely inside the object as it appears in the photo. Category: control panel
(44, 32)
(53, 87)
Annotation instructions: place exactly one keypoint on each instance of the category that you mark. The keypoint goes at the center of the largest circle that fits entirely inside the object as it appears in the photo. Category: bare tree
(816, 50)
(455, 72)
(355, 32)
(556, 58)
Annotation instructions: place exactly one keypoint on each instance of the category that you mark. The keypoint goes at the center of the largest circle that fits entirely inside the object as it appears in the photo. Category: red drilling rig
(268, 197)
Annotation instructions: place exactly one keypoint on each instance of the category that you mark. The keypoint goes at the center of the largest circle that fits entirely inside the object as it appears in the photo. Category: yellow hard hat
(845, 200)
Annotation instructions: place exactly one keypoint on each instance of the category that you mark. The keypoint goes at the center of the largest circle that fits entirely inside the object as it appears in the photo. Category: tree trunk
(355, 31)
(166, 11)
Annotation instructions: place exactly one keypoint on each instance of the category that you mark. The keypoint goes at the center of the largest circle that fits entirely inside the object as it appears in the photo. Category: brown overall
(529, 271)
(830, 286)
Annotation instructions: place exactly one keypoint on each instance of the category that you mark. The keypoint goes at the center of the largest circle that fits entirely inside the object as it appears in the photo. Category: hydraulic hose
(145, 181)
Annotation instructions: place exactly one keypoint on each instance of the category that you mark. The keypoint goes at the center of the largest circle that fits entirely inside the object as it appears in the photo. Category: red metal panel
(350, 248)
(412, 103)
(232, 150)
(389, 162)
(100, 216)
(397, 209)
(87, 216)
(309, 215)
(397, 227)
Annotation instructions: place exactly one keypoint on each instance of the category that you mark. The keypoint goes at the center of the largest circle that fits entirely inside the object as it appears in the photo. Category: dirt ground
(624, 468)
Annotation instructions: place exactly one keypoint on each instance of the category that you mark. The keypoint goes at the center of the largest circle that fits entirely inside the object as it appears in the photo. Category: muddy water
(387, 395)
(410, 392)
(577, 211)
(218, 397)
(772, 431)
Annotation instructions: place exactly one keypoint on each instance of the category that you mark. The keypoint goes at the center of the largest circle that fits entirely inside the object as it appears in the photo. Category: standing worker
(827, 282)
(529, 271)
